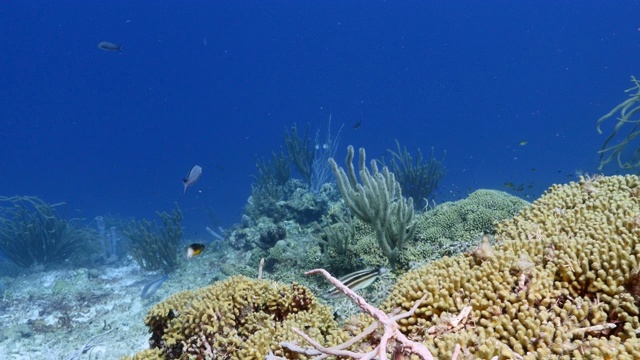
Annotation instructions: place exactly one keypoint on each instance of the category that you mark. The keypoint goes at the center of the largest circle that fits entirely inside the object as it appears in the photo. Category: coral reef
(239, 318)
(291, 201)
(390, 333)
(562, 283)
(148, 354)
(358, 250)
(453, 227)
(448, 229)
(283, 230)
(468, 218)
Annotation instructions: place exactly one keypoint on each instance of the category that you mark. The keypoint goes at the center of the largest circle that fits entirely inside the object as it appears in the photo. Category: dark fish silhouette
(107, 46)
(357, 124)
(514, 187)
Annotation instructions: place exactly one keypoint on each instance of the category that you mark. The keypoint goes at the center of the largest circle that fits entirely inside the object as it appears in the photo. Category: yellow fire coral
(239, 318)
(562, 283)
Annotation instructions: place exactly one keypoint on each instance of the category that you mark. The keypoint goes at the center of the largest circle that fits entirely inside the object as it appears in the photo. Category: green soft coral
(447, 230)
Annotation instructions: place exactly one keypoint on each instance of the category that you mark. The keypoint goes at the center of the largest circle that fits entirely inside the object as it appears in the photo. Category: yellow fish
(194, 250)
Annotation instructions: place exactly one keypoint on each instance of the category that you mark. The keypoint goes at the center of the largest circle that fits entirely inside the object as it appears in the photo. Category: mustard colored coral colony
(561, 282)
(238, 318)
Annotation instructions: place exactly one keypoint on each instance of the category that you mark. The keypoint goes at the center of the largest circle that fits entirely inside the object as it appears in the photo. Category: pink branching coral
(391, 331)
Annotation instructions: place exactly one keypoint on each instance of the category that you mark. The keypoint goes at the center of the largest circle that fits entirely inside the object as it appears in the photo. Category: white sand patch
(52, 315)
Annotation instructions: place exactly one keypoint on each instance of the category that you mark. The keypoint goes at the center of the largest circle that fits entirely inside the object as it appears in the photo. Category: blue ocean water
(216, 83)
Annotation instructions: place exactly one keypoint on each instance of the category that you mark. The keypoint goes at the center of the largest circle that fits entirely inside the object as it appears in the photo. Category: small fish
(194, 250)
(523, 143)
(514, 187)
(357, 124)
(192, 177)
(150, 289)
(107, 46)
(356, 281)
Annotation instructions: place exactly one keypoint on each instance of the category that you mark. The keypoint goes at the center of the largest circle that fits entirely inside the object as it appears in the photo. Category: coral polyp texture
(238, 318)
(563, 282)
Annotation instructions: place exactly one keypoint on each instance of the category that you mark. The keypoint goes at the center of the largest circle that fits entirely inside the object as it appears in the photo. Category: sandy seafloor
(57, 314)
(54, 314)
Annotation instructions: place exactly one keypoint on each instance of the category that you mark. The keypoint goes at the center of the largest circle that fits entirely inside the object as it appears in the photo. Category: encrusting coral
(562, 283)
(465, 219)
(238, 318)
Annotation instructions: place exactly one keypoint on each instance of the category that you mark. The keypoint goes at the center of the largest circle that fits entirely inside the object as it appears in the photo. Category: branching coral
(389, 334)
(559, 284)
(239, 318)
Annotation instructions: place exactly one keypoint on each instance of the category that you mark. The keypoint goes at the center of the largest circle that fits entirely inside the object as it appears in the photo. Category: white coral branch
(389, 324)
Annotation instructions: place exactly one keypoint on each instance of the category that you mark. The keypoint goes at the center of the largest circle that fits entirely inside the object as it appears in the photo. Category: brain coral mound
(238, 318)
(562, 283)
(465, 219)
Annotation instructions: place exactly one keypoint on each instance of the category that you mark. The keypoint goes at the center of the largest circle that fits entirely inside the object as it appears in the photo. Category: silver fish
(192, 177)
(107, 46)
(149, 289)
(356, 281)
